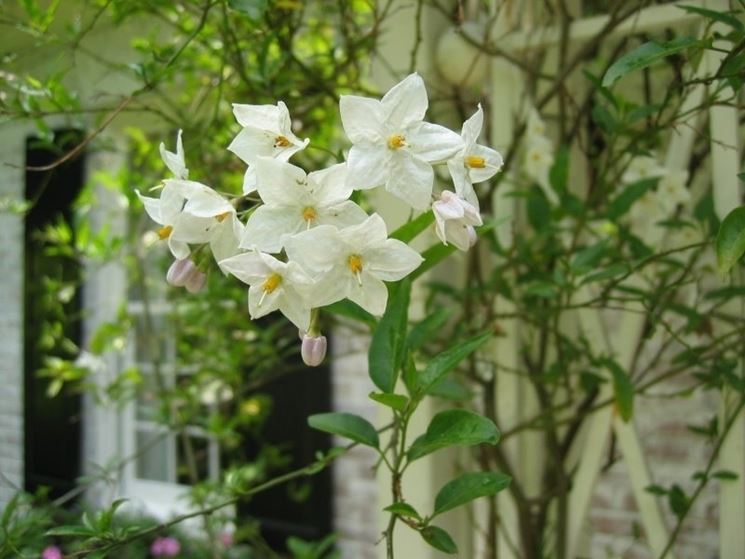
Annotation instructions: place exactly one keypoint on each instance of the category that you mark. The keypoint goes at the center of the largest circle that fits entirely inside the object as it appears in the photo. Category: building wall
(12, 159)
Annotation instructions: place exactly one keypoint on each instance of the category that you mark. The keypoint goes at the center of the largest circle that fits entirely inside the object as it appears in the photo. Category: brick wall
(12, 151)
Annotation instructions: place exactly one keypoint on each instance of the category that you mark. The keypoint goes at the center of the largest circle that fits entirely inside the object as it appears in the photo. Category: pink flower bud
(180, 271)
(165, 547)
(313, 350)
(196, 281)
(51, 552)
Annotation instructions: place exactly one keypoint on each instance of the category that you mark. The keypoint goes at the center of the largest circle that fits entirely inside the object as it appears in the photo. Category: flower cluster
(307, 245)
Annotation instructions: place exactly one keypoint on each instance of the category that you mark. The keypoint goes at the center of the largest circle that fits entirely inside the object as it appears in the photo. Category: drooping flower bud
(51, 552)
(180, 272)
(313, 350)
(196, 281)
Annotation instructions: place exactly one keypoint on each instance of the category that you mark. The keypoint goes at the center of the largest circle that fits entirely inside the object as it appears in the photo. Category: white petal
(296, 145)
(492, 163)
(268, 225)
(432, 142)
(329, 287)
(249, 180)
(330, 185)
(367, 166)
(448, 207)
(264, 117)
(392, 261)
(152, 207)
(261, 303)
(190, 229)
(250, 143)
(247, 267)
(369, 233)
(458, 234)
(208, 204)
(461, 181)
(405, 103)
(225, 239)
(179, 249)
(411, 179)
(372, 295)
(175, 161)
(362, 118)
(294, 308)
(472, 127)
(342, 215)
(279, 183)
(316, 250)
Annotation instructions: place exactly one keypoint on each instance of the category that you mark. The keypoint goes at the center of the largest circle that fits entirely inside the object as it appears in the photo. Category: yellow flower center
(281, 142)
(475, 162)
(222, 217)
(309, 214)
(271, 283)
(165, 232)
(355, 263)
(396, 141)
(251, 407)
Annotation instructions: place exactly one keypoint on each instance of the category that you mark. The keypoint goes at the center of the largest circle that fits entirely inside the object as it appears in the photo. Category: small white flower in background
(672, 189)
(175, 161)
(166, 211)
(455, 219)
(352, 262)
(539, 158)
(273, 285)
(535, 127)
(474, 163)
(642, 167)
(215, 392)
(645, 214)
(313, 349)
(267, 131)
(392, 146)
(294, 202)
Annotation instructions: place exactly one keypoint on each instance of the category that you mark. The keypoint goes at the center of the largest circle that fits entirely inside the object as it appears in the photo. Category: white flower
(455, 219)
(539, 158)
(166, 211)
(266, 132)
(642, 167)
(352, 262)
(175, 161)
(474, 163)
(274, 285)
(294, 202)
(391, 144)
(672, 189)
(534, 127)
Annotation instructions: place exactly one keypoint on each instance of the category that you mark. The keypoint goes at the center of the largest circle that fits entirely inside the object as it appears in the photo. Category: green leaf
(468, 487)
(678, 501)
(559, 172)
(725, 475)
(410, 230)
(450, 389)
(254, 9)
(348, 309)
(73, 531)
(397, 402)
(432, 257)
(644, 56)
(741, 176)
(623, 389)
(612, 271)
(439, 539)
(346, 425)
(442, 363)
(730, 243)
(588, 257)
(623, 202)
(454, 427)
(403, 509)
(729, 292)
(722, 17)
(427, 328)
(388, 342)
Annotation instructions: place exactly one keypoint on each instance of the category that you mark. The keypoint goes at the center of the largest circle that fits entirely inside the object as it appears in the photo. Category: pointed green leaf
(428, 327)
(346, 425)
(449, 388)
(439, 539)
(588, 258)
(644, 56)
(623, 389)
(731, 240)
(397, 402)
(723, 17)
(454, 427)
(468, 487)
(441, 364)
(72, 530)
(388, 341)
(411, 229)
(403, 509)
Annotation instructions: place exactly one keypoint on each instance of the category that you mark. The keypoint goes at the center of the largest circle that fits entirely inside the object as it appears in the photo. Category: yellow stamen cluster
(281, 142)
(165, 232)
(271, 283)
(475, 162)
(309, 214)
(354, 263)
(222, 217)
(396, 141)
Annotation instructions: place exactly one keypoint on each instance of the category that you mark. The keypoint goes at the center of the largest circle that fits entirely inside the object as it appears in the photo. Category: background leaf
(454, 427)
(439, 539)
(441, 364)
(346, 425)
(645, 55)
(468, 487)
(731, 240)
(388, 341)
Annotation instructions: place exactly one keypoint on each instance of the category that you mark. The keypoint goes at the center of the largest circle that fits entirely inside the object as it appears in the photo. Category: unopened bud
(313, 350)
(472, 235)
(196, 281)
(180, 272)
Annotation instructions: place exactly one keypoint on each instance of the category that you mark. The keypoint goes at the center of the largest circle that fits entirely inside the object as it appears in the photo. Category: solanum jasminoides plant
(306, 245)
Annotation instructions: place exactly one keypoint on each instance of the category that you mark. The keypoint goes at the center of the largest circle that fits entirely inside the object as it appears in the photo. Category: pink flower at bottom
(226, 538)
(51, 552)
(165, 547)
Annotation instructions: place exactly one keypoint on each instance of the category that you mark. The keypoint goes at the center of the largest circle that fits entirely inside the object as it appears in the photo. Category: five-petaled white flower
(392, 146)
(175, 161)
(294, 202)
(273, 285)
(474, 163)
(672, 188)
(642, 167)
(455, 219)
(352, 262)
(267, 131)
